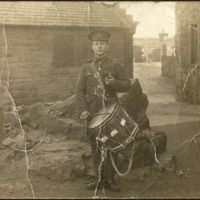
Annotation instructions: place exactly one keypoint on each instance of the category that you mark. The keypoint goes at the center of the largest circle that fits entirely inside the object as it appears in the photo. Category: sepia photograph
(99, 99)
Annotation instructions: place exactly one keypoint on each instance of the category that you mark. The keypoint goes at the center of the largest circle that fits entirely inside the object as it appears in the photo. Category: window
(194, 44)
(70, 50)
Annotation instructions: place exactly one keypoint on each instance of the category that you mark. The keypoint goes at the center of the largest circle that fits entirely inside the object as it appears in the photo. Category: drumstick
(99, 114)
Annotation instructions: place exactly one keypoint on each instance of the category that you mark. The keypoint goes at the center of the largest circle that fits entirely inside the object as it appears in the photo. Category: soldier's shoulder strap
(116, 61)
(89, 60)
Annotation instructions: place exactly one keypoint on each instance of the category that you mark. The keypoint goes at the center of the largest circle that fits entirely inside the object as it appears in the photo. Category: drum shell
(117, 130)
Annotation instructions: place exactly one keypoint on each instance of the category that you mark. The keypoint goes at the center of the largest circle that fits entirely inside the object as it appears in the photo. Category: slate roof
(64, 13)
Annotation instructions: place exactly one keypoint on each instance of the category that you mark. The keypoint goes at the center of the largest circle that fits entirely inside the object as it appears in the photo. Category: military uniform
(87, 87)
(91, 98)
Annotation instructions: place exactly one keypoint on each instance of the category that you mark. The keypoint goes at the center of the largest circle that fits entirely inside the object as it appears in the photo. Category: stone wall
(27, 61)
(169, 65)
(149, 44)
(188, 74)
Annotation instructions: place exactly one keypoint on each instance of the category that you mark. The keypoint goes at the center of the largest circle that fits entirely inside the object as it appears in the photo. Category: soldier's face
(99, 47)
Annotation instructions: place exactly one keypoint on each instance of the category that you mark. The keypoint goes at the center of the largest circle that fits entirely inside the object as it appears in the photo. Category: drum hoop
(107, 120)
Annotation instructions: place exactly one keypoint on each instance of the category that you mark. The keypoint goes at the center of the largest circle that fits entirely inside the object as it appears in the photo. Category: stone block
(169, 65)
(14, 141)
(36, 116)
(59, 161)
(11, 119)
(66, 108)
(58, 126)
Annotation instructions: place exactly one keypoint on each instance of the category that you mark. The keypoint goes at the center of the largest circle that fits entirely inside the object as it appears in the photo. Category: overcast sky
(153, 17)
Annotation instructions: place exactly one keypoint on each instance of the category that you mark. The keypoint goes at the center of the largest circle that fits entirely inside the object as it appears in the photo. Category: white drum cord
(129, 165)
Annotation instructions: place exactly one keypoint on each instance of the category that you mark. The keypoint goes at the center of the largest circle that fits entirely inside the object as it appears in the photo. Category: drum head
(102, 116)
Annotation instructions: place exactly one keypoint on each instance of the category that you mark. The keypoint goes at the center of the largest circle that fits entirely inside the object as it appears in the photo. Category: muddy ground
(150, 182)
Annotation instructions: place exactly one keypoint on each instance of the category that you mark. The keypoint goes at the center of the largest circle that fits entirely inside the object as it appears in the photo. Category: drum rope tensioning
(131, 156)
(117, 129)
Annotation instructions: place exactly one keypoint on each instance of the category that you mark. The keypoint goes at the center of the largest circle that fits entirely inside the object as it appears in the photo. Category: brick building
(44, 44)
(188, 51)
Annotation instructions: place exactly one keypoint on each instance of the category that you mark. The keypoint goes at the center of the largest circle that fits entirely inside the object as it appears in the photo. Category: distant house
(44, 44)
(188, 50)
(152, 47)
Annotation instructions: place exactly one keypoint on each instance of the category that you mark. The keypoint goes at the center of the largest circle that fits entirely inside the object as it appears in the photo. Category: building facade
(44, 44)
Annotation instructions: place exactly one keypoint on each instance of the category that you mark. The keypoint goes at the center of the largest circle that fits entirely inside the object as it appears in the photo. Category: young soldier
(91, 97)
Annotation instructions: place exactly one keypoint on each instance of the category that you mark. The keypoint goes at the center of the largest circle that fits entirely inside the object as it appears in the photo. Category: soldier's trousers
(105, 170)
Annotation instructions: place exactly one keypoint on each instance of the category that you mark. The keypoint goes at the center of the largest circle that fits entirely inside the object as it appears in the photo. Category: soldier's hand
(84, 115)
(109, 80)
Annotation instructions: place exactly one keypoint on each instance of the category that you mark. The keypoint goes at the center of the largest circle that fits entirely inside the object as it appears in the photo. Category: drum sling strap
(97, 75)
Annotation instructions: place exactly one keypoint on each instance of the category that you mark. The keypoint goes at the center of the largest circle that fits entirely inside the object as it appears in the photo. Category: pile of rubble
(55, 142)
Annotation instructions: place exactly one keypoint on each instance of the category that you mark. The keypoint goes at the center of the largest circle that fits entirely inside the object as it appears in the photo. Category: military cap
(99, 35)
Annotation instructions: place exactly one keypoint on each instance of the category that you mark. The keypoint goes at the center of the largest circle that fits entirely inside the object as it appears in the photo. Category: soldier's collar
(102, 59)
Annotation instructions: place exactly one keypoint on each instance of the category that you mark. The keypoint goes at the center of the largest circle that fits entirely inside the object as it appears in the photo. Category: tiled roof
(63, 13)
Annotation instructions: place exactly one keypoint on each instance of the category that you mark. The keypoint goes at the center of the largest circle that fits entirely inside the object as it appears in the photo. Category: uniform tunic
(87, 99)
